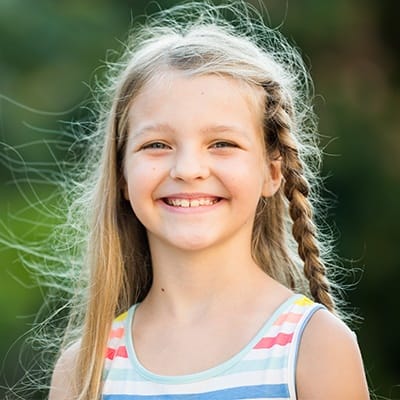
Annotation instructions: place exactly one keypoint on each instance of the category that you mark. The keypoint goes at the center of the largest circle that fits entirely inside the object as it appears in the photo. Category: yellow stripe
(304, 301)
(121, 317)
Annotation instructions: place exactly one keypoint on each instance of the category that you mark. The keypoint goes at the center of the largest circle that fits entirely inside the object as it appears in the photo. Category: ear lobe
(273, 178)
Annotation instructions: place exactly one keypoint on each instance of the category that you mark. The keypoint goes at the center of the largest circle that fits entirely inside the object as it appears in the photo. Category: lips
(190, 202)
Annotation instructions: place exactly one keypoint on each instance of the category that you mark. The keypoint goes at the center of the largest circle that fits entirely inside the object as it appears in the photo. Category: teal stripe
(123, 374)
(273, 363)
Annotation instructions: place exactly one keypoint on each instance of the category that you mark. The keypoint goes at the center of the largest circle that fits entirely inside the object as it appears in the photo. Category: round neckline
(207, 373)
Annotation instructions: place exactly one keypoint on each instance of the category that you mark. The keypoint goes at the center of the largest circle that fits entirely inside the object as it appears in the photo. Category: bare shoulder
(62, 382)
(329, 363)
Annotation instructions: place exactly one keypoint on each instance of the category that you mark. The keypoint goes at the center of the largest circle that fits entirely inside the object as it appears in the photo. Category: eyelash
(162, 146)
(223, 144)
(155, 146)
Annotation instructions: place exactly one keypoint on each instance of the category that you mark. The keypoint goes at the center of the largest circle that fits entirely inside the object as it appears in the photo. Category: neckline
(207, 373)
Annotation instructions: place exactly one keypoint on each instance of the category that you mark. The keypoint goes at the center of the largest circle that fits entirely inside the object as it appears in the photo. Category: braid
(280, 140)
(304, 231)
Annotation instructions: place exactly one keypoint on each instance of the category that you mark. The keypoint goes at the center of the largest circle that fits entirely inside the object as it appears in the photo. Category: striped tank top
(264, 369)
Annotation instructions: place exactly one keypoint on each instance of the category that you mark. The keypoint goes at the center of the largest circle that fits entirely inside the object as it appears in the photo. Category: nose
(190, 165)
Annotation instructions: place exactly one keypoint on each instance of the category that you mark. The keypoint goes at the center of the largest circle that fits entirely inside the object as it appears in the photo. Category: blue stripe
(239, 393)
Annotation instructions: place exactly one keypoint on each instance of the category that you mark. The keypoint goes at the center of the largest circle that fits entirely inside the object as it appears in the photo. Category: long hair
(194, 39)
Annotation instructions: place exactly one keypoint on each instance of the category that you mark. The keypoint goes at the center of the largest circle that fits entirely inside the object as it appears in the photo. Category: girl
(202, 241)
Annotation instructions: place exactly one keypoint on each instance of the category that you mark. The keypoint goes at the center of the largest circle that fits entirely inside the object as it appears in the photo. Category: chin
(193, 246)
(192, 243)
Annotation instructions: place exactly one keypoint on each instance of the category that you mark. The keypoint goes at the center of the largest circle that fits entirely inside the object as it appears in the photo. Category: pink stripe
(119, 352)
(281, 339)
(117, 333)
(290, 317)
(110, 353)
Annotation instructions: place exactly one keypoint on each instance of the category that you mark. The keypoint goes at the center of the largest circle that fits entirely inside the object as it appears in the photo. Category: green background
(50, 53)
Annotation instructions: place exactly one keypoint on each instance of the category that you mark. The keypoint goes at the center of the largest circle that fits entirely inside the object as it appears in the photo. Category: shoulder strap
(304, 308)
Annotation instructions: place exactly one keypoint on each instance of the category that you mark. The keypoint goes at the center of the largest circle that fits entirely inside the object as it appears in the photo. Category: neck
(189, 283)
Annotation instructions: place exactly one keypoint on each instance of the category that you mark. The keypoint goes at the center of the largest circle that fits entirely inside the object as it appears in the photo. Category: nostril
(189, 171)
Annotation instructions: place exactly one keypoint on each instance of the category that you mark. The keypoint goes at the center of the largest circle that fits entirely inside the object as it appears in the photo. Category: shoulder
(329, 361)
(63, 380)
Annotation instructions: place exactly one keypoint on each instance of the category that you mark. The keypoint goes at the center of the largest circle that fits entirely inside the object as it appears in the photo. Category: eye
(222, 144)
(155, 146)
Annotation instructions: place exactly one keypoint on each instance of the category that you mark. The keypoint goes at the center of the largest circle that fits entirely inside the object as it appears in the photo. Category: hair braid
(304, 231)
(297, 190)
(280, 141)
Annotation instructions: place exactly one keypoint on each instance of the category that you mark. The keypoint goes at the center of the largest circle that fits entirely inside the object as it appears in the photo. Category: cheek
(134, 179)
(141, 181)
(246, 175)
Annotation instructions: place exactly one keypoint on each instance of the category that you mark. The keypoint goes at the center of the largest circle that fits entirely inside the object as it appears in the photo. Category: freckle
(162, 289)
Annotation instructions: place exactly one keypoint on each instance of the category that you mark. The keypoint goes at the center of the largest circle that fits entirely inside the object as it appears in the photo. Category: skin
(198, 139)
(212, 149)
(62, 385)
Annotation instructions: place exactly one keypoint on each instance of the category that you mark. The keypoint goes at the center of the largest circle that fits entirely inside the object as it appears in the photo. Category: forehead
(176, 92)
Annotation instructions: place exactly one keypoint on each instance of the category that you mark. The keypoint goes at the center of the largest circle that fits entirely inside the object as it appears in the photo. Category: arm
(63, 382)
(329, 363)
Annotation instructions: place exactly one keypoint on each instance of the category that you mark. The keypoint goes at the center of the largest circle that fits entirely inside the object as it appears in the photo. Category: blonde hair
(194, 39)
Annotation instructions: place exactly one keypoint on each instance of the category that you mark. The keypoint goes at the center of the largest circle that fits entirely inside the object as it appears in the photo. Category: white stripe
(122, 363)
(276, 351)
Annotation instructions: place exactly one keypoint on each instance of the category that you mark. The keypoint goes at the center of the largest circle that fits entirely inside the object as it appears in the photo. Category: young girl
(203, 244)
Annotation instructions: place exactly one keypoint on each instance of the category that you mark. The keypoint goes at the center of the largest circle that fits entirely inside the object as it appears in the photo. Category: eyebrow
(162, 127)
(222, 128)
(153, 128)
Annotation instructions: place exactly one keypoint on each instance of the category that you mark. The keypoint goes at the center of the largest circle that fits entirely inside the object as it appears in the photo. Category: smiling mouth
(191, 203)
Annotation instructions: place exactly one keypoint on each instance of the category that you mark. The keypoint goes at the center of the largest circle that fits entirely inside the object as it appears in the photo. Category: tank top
(264, 369)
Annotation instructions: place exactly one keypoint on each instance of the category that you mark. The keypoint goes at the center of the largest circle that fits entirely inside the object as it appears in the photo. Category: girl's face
(195, 167)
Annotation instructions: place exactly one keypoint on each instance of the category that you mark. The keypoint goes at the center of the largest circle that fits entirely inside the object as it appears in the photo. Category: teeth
(186, 203)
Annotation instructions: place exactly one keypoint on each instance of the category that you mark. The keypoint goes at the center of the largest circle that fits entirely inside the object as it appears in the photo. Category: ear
(273, 177)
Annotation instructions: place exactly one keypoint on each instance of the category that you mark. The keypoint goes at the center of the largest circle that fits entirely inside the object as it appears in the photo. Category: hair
(110, 242)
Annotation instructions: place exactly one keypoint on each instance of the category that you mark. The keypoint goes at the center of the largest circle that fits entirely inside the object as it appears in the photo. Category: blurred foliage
(48, 52)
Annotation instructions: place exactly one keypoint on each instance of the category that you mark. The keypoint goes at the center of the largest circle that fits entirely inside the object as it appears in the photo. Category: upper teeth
(191, 202)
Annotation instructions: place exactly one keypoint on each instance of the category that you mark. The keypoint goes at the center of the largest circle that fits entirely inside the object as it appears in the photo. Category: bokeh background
(51, 52)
